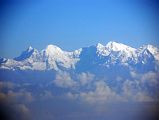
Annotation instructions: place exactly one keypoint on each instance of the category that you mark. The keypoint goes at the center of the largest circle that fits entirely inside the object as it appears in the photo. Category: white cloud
(133, 91)
(130, 87)
(20, 96)
(151, 78)
(85, 78)
(134, 74)
(64, 80)
(118, 78)
(72, 96)
(142, 97)
(101, 94)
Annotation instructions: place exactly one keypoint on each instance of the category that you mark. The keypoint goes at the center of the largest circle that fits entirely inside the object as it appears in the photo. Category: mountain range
(90, 58)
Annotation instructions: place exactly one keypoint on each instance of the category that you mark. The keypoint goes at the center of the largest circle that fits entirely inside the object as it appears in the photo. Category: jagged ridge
(55, 58)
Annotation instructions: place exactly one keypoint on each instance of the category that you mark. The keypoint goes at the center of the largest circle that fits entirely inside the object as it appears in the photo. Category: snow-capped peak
(99, 45)
(102, 50)
(52, 47)
(30, 48)
(53, 57)
(26, 54)
(152, 49)
(2, 60)
(53, 50)
(114, 46)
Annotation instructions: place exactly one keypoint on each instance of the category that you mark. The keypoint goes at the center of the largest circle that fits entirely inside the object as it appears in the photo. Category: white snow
(52, 50)
(114, 46)
(154, 50)
(30, 49)
(102, 50)
(54, 57)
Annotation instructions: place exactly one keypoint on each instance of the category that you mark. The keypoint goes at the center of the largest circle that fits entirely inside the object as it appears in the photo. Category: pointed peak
(149, 46)
(115, 46)
(52, 50)
(99, 45)
(30, 48)
(152, 49)
(26, 54)
(111, 43)
(3, 60)
(52, 46)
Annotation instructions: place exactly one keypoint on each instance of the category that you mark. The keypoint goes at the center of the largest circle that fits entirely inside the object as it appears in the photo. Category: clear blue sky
(72, 24)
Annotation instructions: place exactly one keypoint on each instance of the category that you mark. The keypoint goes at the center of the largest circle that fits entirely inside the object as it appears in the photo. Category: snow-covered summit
(116, 50)
(102, 50)
(114, 46)
(53, 50)
(29, 52)
(153, 50)
(99, 45)
(30, 48)
(53, 57)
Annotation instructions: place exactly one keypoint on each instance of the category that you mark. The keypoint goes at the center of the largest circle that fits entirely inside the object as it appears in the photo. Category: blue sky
(72, 24)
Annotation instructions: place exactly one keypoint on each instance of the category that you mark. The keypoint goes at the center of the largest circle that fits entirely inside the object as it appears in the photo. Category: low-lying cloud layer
(69, 91)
